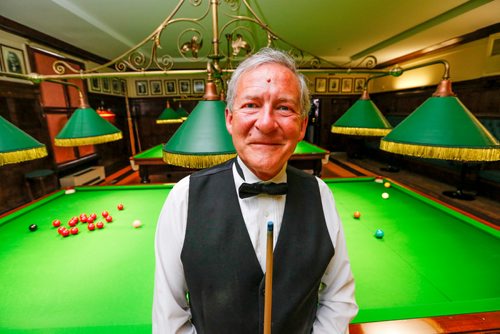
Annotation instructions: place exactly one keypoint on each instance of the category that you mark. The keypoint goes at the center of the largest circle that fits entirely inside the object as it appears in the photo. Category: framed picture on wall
(156, 87)
(333, 85)
(170, 87)
(141, 87)
(123, 83)
(94, 84)
(13, 60)
(320, 85)
(359, 84)
(106, 85)
(198, 86)
(115, 84)
(346, 85)
(184, 86)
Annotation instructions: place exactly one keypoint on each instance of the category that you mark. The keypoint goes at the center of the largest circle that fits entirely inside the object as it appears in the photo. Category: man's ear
(304, 127)
(229, 121)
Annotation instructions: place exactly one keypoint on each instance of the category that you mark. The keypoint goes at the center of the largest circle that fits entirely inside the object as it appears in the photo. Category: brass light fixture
(85, 126)
(442, 128)
(363, 118)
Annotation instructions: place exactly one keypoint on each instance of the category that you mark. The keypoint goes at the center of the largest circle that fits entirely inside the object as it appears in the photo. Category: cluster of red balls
(84, 219)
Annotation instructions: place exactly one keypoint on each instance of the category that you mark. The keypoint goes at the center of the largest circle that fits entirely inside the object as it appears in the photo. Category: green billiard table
(431, 262)
(305, 156)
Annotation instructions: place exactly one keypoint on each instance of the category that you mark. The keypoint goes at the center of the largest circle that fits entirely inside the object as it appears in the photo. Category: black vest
(223, 275)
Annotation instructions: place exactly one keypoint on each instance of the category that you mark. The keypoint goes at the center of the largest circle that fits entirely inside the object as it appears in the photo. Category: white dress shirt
(171, 313)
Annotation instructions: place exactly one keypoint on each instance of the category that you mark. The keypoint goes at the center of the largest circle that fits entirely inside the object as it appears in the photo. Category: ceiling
(341, 32)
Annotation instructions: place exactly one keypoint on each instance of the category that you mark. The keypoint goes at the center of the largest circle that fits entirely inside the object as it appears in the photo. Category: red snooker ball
(56, 223)
(74, 231)
(65, 233)
(109, 219)
(90, 220)
(100, 225)
(105, 214)
(72, 222)
(120, 206)
(60, 229)
(93, 216)
(91, 226)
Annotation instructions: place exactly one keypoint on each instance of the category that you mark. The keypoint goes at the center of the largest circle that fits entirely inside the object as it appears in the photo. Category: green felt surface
(303, 147)
(432, 260)
(94, 282)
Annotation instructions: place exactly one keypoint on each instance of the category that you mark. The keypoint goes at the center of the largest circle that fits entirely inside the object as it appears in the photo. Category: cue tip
(270, 226)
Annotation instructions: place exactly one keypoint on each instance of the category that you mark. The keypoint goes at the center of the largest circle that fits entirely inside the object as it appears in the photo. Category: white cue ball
(385, 195)
(137, 223)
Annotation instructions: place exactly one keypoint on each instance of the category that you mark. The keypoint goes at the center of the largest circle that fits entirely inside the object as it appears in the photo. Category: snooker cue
(268, 290)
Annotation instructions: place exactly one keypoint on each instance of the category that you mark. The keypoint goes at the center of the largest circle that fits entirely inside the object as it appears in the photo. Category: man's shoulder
(224, 167)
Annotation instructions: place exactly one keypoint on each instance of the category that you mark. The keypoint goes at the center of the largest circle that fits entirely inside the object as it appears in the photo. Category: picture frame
(106, 85)
(141, 87)
(115, 84)
(13, 60)
(198, 86)
(320, 85)
(170, 87)
(333, 85)
(359, 84)
(94, 84)
(156, 87)
(123, 83)
(346, 85)
(184, 86)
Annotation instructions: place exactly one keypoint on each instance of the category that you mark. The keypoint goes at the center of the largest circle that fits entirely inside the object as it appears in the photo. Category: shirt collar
(250, 177)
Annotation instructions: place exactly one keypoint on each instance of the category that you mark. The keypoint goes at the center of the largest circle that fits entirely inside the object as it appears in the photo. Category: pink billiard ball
(56, 223)
(100, 225)
(120, 206)
(105, 214)
(357, 214)
(91, 226)
(109, 219)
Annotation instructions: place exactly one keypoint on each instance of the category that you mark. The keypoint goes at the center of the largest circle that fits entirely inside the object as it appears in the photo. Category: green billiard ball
(379, 234)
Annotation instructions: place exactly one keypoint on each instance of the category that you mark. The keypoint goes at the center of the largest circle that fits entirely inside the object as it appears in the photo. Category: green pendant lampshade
(182, 112)
(362, 119)
(17, 146)
(169, 116)
(86, 127)
(442, 128)
(202, 140)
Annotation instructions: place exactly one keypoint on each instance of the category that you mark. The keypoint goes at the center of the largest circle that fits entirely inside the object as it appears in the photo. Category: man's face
(265, 122)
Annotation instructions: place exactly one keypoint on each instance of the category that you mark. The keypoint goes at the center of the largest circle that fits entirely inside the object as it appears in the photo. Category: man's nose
(266, 121)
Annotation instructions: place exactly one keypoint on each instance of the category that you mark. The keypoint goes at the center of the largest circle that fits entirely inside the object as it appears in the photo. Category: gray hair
(269, 56)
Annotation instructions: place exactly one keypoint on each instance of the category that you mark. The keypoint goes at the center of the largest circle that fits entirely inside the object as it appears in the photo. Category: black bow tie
(251, 189)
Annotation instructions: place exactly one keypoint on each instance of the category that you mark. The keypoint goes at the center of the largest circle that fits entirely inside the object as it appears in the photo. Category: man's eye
(250, 105)
(283, 108)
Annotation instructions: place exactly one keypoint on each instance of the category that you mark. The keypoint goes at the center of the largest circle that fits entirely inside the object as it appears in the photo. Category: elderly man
(211, 236)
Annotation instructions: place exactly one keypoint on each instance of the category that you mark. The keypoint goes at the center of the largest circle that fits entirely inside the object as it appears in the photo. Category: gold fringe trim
(23, 155)
(360, 131)
(443, 153)
(169, 121)
(196, 161)
(88, 140)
